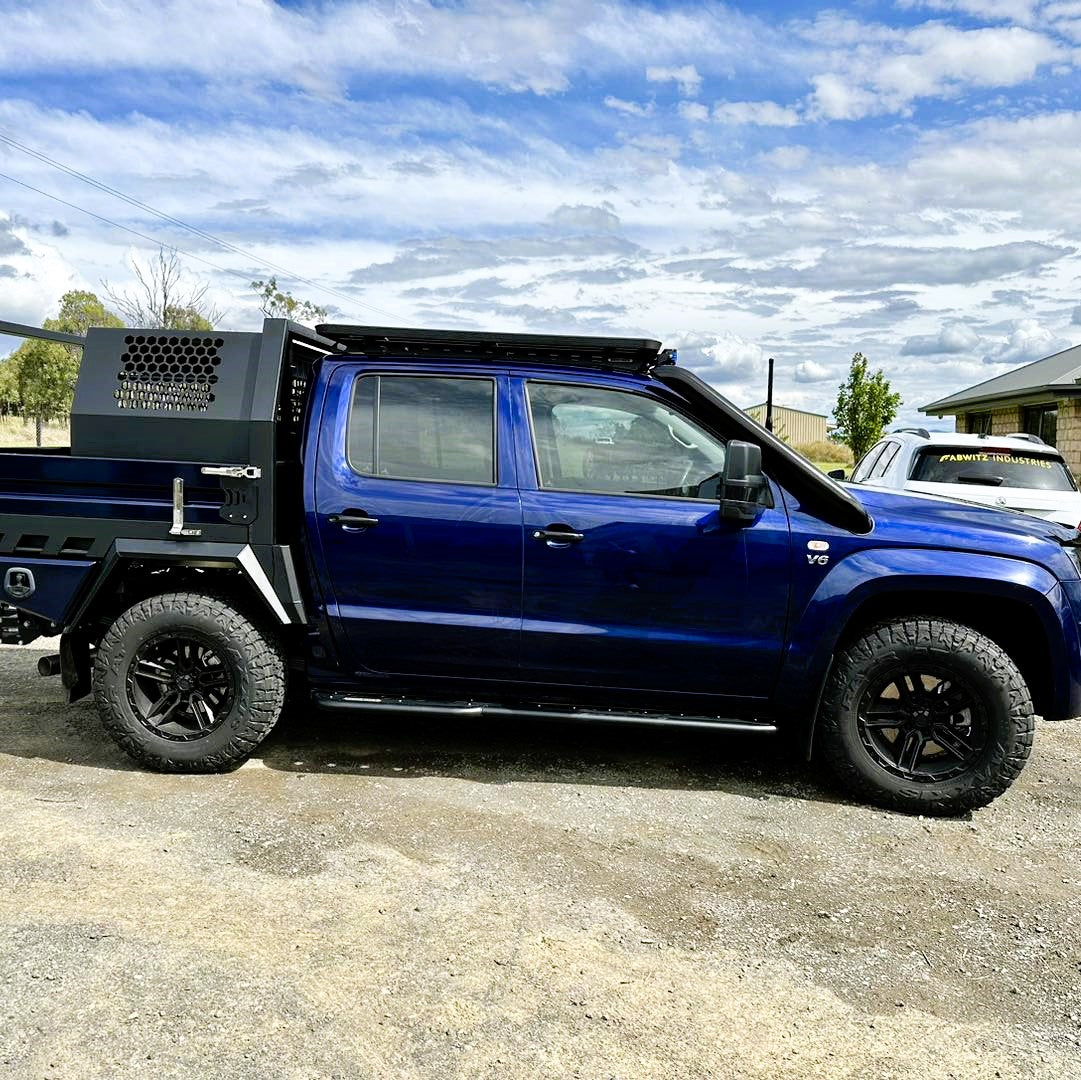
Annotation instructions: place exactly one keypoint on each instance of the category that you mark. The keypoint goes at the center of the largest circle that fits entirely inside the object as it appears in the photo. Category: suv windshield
(992, 468)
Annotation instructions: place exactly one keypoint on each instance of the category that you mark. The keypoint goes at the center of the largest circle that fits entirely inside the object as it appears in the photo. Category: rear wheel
(925, 715)
(185, 683)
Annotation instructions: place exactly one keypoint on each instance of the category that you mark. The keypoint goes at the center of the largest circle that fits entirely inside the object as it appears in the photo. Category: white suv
(1012, 472)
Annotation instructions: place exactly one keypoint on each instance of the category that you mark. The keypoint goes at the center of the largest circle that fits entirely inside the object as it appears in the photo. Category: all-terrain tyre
(925, 715)
(185, 683)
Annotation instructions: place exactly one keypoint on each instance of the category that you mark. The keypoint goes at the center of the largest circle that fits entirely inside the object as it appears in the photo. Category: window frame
(872, 456)
(528, 382)
(885, 460)
(490, 379)
(983, 422)
(1040, 409)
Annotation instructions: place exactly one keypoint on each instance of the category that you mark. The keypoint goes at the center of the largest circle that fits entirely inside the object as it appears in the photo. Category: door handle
(353, 519)
(558, 535)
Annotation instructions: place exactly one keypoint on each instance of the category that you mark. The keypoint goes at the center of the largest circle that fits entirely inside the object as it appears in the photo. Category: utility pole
(769, 397)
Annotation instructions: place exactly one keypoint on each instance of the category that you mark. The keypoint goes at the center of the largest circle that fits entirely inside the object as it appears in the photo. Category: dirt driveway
(407, 899)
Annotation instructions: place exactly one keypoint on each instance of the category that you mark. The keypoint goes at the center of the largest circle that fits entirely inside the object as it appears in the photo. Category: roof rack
(922, 432)
(1026, 436)
(636, 355)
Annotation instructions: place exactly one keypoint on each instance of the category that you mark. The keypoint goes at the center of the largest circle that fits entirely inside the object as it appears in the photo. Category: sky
(788, 180)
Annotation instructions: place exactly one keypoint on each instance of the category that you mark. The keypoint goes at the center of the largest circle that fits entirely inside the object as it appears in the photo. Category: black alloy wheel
(180, 685)
(922, 724)
(925, 715)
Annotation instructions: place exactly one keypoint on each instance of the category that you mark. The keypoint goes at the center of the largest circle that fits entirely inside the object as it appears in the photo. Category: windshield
(992, 468)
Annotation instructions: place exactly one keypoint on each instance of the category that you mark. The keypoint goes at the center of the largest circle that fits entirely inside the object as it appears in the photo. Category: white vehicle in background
(1011, 472)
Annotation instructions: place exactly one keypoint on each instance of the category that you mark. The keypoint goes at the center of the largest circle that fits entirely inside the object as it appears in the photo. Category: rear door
(419, 523)
(632, 580)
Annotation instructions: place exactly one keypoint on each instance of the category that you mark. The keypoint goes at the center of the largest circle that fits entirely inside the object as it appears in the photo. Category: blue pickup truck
(515, 526)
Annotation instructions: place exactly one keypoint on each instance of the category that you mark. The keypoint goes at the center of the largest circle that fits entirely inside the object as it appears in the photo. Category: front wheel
(185, 683)
(925, 715)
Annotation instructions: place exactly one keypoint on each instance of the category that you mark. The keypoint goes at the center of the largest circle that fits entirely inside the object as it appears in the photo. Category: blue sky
(798, 181)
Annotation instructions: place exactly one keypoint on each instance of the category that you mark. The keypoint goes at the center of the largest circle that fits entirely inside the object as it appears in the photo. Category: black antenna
(769, 397)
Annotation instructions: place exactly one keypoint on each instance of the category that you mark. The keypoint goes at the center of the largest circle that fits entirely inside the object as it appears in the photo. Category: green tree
(80, 310)
(46, 379)
(45, 371)
(186, 317)
(865, 405)
(9, 385)
(277, 304)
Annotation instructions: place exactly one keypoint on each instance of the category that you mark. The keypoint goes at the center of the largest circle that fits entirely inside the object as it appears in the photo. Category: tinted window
(1041, 421)
(588, 439)
(867, 463)
(992, 468)
(885, 460)
(418, 428)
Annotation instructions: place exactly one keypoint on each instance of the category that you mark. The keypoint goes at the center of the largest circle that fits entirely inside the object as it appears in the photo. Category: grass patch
(16, 432)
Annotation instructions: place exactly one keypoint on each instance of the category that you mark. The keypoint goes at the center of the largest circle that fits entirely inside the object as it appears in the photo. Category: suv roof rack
(636, 355)
(1026, 436)
(922, 432)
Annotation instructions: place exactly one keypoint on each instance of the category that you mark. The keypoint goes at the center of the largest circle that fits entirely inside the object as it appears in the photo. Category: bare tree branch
(162, 298)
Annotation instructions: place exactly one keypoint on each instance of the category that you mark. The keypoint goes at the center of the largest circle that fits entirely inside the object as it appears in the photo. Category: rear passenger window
(867, 463)
(885, 460)
(423, 428)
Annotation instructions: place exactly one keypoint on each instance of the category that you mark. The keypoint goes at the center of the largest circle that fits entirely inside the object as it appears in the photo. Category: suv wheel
(185, 683)
(925, 715)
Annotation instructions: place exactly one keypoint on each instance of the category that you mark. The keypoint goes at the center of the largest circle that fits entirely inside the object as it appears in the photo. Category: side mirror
(744, 484)
(836, 474)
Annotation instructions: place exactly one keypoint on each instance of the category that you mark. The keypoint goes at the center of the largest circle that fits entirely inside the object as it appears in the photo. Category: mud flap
(75, 665)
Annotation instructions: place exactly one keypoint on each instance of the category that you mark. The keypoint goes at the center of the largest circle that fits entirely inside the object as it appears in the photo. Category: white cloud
(723, 358)
(588, 206)
(932, 60)
(1065, 9)
(837, 97)
(537, 48)
(591, 218)
(956, 338)
(686, 77)
(786, 158)
(629, 108)
(1028, 340)
(810, 371)
(762, 113)
(1020, 11)
(694, 111)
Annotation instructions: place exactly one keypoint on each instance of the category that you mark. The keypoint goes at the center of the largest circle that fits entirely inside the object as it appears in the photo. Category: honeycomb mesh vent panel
(168, 372)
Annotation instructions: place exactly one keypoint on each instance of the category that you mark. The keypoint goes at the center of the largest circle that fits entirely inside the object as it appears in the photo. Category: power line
(132, 201)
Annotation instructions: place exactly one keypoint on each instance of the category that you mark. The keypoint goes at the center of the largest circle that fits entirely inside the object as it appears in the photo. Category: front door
(420, 524)
(631, 578)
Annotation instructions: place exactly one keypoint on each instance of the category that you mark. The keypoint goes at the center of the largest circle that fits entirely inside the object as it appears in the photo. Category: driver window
(611, 441)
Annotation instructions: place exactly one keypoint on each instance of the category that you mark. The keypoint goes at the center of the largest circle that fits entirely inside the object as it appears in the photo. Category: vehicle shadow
(309, 740)
(523, 750)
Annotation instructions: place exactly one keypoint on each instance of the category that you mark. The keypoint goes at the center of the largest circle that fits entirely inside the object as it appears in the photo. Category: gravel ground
(426, 899)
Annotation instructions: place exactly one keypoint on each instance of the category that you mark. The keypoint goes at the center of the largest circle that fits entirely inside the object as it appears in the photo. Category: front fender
(875, 573)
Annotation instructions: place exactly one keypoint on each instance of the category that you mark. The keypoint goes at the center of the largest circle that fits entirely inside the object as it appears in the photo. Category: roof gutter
(816, 491)
(949, 407)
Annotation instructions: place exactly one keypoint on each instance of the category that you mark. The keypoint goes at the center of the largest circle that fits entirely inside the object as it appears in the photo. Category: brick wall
(1003, 421)
(1069, 432)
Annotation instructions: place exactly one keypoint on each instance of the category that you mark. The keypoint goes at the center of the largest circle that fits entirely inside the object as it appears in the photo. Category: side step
(358, 703)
